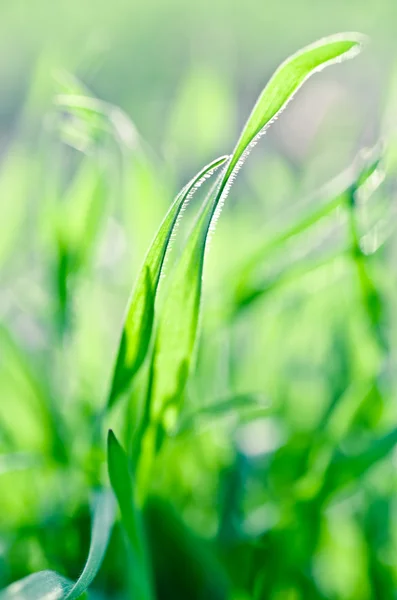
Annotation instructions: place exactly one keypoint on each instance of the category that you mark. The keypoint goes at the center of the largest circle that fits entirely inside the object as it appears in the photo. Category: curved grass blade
(45, 585)
(287, 80)
(101, 530)
(122, 483)
(176, 337)
(138, 323)
(49, 585)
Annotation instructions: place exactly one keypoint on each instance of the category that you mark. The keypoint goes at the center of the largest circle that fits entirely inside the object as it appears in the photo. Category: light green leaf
(138, 323)
(287, 80)
(49, 585)
(177, 332)
(45, 585)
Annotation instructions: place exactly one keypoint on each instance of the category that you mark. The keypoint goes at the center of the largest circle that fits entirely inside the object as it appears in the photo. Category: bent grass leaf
(287, 80)
(138, 323)
(101, 530)
(177, 332)
(45, 585)
(49, 585)
(122, 483)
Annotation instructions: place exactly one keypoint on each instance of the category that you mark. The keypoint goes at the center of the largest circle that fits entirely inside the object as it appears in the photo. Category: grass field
(199, 404)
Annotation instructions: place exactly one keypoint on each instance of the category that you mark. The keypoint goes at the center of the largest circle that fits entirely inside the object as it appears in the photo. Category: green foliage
(177, 331)
(138, 324)
(48, 584)
(123, 486)
(257, 425)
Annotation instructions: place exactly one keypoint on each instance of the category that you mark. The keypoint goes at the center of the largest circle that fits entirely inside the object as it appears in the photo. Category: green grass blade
(49, 585)
(138, 323)
(177, 331)
(101, 530)
(287, 80)
(122, 483)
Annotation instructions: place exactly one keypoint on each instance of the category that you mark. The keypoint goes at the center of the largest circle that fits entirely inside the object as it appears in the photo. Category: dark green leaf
(121, 479)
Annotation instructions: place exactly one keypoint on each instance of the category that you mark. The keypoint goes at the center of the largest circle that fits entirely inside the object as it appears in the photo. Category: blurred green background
(283, 486)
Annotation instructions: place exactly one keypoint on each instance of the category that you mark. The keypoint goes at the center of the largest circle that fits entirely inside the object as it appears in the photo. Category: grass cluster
(234, 440)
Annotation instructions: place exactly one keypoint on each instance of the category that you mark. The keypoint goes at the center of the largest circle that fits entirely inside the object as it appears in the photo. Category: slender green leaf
(122, 483)
(138, 323)
(49, 585)
(287, 80)
(177, 332)
(101, 530)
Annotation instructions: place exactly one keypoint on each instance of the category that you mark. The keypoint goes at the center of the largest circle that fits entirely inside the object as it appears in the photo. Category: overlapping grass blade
(138, 323)
(177, 330)
(121, 479)
(49, 585)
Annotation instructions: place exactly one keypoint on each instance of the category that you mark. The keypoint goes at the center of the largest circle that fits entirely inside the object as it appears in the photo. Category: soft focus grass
(254, 461)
